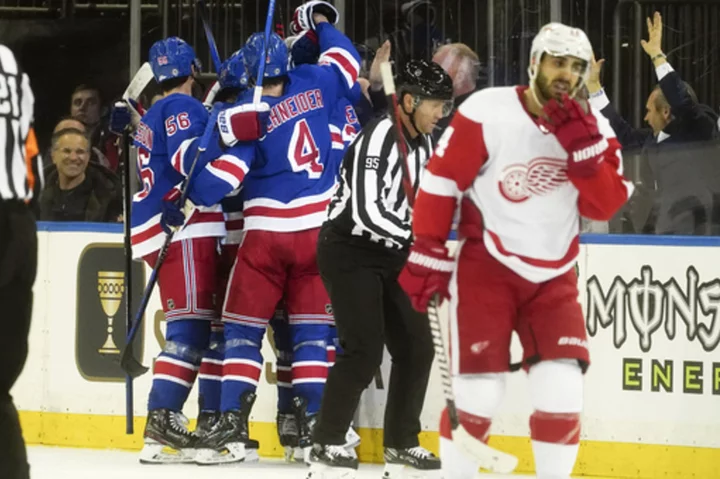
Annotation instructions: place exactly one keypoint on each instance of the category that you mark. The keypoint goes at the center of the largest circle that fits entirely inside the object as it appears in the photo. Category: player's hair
(274, 81)
(68, 131)
(172, 83)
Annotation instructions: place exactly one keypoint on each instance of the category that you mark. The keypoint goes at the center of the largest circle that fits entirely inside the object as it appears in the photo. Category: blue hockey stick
(128, 362)
(257, 94)
(202, 8)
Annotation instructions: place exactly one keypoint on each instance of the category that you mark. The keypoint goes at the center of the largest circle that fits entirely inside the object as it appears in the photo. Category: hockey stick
(389, 86)
(486, 456)
(202, 8)
(127, 359)
(137, 85)
(127, 204)
(257, 94)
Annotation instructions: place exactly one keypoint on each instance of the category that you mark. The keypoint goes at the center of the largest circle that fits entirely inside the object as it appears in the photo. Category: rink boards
(652, 307)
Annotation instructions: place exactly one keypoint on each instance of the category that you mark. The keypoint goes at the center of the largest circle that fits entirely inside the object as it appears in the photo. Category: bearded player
(525, 163)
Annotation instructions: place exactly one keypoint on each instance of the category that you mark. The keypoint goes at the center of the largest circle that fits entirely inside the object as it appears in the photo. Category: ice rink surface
(55, 462)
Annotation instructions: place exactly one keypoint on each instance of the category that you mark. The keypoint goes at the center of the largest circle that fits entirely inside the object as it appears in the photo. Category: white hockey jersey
(516, 194)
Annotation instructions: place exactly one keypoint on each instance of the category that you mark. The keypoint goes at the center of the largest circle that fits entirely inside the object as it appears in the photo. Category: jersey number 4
(303, 153)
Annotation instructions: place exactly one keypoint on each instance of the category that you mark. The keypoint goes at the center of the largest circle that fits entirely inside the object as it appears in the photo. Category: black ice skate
(167, 439)
(411, 462)
(288, 433)
(331, 462)
(305, 425)
(205, 421)
(228, 441)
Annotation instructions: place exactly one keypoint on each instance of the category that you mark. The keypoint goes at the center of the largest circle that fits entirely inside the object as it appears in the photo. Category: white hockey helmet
(559, 40)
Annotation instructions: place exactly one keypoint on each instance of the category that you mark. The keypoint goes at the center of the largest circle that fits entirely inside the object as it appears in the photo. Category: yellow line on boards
(596, 459)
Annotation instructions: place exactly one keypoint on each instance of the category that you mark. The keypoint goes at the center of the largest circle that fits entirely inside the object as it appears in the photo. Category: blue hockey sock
(309, 366)
(175, 369)
(242, 365)
(210, 377)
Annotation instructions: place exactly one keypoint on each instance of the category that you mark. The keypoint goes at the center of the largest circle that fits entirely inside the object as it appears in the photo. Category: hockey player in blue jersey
(286, 188)
(232, 81)
(166, 138)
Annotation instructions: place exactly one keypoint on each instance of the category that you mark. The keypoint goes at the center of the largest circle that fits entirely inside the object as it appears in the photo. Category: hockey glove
(427, 272)
(303, 16)
(174, 214)
(121, 115)
(576, 129)
(243, 123)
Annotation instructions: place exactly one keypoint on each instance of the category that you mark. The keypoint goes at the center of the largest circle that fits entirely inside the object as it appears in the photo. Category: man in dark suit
(683, 159)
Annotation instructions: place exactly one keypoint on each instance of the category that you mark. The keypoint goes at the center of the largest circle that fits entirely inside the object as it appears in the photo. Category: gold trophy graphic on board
(111, 287)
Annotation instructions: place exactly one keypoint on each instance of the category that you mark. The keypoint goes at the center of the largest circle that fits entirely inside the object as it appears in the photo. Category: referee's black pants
(18, 265)
(371, 310)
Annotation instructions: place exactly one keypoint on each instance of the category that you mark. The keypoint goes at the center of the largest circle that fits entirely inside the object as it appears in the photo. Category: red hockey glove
(427, 272)
(577, 131)
(243, 122)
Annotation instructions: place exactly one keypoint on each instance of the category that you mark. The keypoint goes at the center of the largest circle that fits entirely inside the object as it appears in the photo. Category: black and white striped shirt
(370, 201)
(18, 146)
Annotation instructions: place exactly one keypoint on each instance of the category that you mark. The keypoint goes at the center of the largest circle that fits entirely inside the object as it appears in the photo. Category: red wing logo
(541, 177)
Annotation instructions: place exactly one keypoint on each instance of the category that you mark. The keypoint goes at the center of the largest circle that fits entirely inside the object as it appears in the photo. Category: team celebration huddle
(288, 199)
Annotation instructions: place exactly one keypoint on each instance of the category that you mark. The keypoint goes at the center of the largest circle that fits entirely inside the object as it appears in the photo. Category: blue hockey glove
(121, 116)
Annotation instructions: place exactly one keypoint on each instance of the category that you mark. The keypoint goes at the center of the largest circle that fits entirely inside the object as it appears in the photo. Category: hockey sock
(556, 388)
(477, 398)
(309, 366)
(455, 463)
(210, 377)
(175, 369)
(242, 365)
(333, 348)
(283, 345)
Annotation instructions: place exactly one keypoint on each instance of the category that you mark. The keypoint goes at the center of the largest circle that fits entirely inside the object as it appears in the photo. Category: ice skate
(331, 462)
(288, 433)
(305, 425)
(413, 462)
(167, 439)
(228, 441)
(206, 420)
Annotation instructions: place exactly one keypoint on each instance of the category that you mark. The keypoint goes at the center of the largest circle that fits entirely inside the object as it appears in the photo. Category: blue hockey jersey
(166, 139)
(288, 174)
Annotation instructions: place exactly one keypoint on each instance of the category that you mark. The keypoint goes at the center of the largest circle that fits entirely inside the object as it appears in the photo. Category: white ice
(55, 462)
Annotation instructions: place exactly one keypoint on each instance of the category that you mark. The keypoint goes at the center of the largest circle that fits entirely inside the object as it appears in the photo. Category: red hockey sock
(478, 427)
(555, 441)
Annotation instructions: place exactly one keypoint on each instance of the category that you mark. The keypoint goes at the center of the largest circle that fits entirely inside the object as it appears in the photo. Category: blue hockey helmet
(276, 60)
(232, 72)
(172, 58)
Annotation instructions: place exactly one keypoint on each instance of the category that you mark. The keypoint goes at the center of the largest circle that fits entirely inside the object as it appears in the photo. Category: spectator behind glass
(86, 106)
(66, 123)
(463, 66)
(75, 189)
(683, 160)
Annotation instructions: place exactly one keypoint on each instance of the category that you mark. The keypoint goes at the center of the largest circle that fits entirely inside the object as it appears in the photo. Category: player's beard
(544, 89)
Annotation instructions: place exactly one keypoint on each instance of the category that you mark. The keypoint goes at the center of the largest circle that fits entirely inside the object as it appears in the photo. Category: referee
(361, 250)
(18, 251)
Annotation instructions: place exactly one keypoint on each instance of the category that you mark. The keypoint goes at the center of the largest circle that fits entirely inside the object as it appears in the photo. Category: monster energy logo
(647, 305)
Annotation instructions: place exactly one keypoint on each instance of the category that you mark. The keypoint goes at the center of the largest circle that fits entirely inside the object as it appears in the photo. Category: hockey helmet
(560, 40)
(172, 58)
(305, 49)
(426, 80)
(232, 72)
(276, 61)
